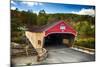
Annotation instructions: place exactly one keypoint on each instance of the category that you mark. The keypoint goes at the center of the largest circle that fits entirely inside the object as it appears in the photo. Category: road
(58, 54)
(67, 55)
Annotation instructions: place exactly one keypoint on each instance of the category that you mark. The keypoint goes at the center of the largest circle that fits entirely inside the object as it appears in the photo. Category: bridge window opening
(39, 42)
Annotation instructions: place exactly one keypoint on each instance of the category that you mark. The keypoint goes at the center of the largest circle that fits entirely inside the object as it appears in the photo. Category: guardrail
(84, 49)
(41, 56)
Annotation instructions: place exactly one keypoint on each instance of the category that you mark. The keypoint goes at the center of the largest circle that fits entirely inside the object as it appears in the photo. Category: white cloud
(13, 2)
(13, 8)
(20, 9)
(32, 3)
(85, 12)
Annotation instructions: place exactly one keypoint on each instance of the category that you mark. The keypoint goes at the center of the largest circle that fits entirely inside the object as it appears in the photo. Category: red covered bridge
(59, 27)
(57, 32)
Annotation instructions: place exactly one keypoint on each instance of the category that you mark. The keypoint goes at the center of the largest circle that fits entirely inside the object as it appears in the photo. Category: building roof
(42, 28)
(53, 28)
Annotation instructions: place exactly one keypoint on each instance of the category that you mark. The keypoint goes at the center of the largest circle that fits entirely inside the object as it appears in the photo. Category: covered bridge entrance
(51, 34)
(58, 40)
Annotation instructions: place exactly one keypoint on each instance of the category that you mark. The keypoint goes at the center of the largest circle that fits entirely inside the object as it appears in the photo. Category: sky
(53, 7)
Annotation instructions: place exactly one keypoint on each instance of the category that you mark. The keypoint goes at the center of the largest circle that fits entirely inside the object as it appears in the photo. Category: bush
(18, 37)
(87, 42)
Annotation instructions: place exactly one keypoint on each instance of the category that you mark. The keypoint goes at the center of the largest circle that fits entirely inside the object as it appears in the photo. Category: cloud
(13, 8)
(85, 12)
(20, 9)
(13, 2)
(32, 3)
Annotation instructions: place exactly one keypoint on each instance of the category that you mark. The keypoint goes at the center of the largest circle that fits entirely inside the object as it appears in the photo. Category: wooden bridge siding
(34, 38)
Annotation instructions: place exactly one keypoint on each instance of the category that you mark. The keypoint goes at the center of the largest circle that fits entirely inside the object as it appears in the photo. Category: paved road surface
(57, 55)
(66, 55)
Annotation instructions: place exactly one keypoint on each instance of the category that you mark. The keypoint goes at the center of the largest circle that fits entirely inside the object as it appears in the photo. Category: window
(62, 27)
(39, 42)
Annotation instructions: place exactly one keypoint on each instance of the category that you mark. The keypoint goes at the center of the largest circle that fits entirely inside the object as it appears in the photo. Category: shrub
(87, 42)
(18, 37)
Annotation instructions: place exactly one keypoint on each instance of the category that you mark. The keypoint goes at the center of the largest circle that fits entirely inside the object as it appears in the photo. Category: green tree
(85, 28)
(29, 18)
(42, 18)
